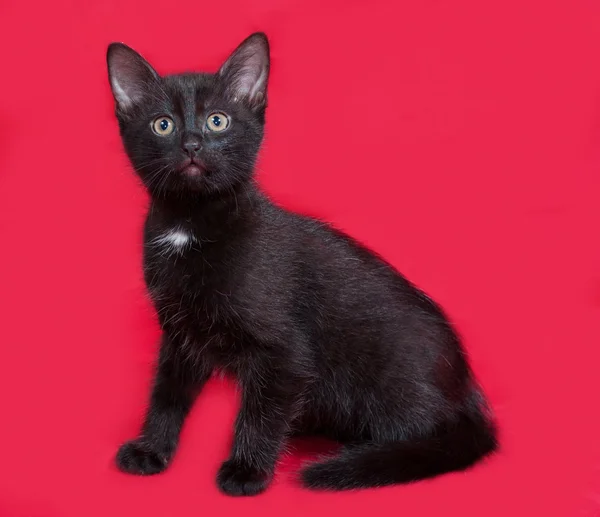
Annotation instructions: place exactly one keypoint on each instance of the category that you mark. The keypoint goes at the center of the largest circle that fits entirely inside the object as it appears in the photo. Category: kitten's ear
(246, 71)
(130, 75)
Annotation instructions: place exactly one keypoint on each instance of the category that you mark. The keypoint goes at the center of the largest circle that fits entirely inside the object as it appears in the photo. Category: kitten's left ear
(246, 71)
(131, 76)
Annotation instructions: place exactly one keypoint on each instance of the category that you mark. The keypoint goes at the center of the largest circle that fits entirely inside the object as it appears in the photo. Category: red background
(460, 139)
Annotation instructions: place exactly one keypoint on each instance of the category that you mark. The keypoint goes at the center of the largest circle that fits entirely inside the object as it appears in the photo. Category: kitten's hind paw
(237, 479)
(138, 457)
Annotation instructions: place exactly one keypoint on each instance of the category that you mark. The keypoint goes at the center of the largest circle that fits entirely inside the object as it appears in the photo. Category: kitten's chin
(192, 168)
(192, 171)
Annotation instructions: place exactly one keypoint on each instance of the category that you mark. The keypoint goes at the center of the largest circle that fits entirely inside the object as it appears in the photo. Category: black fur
(323, 336)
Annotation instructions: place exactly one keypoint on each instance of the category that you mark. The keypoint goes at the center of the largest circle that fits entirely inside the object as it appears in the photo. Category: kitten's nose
(191, 146)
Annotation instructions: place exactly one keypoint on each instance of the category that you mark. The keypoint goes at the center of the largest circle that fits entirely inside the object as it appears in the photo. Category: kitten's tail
(455, 447)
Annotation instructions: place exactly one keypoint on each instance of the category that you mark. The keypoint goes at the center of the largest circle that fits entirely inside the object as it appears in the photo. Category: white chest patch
(174, 241)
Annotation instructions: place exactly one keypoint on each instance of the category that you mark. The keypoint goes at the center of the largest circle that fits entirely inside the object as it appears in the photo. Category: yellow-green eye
(163, 126)
(217, 122)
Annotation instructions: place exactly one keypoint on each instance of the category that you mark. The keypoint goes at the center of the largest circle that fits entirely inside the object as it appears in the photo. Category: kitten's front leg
(261, 428)
(175, 387)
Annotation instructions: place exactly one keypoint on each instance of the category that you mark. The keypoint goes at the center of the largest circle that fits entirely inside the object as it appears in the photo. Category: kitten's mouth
(192, 167)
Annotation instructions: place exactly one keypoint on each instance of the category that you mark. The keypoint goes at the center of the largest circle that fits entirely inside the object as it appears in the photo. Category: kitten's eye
(163, 126)
(217, 122)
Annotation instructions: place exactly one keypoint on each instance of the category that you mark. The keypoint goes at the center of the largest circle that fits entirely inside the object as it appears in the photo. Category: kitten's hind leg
(175, 387)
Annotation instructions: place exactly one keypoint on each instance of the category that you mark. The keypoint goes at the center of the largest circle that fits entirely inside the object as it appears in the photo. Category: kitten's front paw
(138, 457)
(237, 479)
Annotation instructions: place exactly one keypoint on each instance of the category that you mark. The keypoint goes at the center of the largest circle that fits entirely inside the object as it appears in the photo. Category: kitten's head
(192, 133)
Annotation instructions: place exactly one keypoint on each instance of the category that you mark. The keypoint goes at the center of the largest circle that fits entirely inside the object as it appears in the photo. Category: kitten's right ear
(130, 75)
(246, 71)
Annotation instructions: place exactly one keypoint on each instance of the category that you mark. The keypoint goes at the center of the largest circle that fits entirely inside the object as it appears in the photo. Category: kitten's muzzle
(192, 166)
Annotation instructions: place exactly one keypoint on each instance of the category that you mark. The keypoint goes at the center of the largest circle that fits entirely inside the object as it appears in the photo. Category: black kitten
(323, 336)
